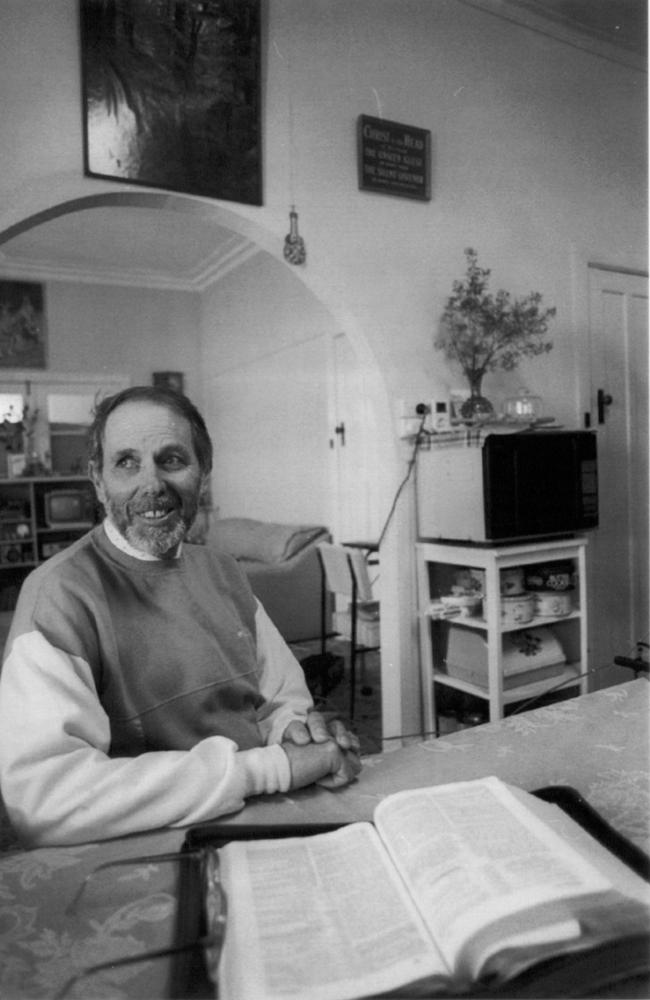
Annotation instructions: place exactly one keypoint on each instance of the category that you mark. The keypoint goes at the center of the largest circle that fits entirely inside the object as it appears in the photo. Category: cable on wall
(419, 438)
(568, 682)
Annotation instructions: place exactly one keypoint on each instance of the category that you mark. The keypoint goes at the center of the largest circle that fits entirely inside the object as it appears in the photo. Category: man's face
(151, 482)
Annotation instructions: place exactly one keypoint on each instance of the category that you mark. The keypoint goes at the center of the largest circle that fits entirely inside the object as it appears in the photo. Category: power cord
(419, 437)
(567, 682)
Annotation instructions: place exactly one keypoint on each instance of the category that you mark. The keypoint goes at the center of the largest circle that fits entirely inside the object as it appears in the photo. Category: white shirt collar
(120, 542)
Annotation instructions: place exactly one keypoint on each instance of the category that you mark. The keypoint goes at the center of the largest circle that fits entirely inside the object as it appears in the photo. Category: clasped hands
(321, 751)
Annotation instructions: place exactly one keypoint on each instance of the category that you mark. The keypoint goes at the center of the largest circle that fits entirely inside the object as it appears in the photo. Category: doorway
(619, 556)
(351, 444)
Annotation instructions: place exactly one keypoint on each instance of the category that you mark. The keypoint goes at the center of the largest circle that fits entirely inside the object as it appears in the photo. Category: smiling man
(143, 684)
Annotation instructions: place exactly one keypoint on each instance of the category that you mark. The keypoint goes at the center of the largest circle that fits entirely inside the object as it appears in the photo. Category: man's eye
(127, 462)
(174, 462)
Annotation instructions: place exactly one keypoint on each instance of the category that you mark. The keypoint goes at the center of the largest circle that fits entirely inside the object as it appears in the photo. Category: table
(598, 743)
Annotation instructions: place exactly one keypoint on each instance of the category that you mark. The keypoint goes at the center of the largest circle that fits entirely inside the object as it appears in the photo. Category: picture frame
(456, 399)
(16, 464)
(22, 324)
(170, 380)
(172, 95)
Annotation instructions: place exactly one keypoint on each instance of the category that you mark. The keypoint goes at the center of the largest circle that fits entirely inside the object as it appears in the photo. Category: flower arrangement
(481, 332)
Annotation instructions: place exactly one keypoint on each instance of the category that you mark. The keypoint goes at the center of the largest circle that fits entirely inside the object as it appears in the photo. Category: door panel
(350, 436)
(619, 550)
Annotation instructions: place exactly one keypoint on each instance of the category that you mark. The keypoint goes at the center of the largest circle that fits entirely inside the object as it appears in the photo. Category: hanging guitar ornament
(295, 251)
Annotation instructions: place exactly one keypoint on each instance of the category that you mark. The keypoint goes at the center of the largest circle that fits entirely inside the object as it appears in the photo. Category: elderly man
(143, 684)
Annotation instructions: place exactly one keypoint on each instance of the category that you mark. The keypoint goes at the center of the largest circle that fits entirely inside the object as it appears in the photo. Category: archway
(66, 194)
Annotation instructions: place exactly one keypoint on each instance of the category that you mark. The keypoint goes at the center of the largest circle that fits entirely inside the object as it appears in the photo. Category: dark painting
(172, 95)
(22, 325)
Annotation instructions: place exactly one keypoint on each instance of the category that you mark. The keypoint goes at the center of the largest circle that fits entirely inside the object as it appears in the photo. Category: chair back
(344, 568)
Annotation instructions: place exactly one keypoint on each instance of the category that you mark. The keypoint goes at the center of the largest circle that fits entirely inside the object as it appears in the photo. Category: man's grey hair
(159, 396)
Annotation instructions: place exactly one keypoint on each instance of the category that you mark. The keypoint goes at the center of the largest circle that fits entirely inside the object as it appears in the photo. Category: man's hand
(320, 728)
(323, 763)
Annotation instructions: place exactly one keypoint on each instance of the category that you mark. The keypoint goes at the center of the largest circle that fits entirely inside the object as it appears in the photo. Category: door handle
(340, 430)
(604, 399)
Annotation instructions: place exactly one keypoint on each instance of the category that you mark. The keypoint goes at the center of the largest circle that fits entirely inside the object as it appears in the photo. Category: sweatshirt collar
(120, 542)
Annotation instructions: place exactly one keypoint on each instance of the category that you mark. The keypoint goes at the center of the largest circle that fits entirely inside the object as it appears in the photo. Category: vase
(476, 406)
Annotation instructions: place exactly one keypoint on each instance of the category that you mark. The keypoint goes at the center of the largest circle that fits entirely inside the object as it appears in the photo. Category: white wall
(104, 329)
(537, 146)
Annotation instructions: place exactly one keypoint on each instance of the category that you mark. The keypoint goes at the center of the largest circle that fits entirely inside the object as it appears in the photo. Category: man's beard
(157, 541)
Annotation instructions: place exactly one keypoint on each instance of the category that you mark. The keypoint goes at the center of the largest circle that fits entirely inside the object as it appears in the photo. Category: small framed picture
(22, 324)
(15, 464)
(170, 380)
(456, 399)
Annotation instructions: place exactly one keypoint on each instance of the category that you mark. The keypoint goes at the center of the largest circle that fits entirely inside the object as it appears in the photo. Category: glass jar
(524, 406)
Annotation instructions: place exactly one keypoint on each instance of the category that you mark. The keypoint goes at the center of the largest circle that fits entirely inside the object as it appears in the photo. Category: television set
(69, 508)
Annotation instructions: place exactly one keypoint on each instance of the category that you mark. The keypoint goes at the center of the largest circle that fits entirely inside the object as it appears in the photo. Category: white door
(618, 552)
(352, 444)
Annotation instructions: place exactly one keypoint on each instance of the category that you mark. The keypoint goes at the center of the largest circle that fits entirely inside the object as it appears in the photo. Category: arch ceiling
(112, 242)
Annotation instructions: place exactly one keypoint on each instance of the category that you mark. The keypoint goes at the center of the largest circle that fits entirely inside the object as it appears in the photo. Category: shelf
(73, 477)
(481, 624)
(522, 693)
(505, 555)
(75, 526)
(24, 501)
(481, 658)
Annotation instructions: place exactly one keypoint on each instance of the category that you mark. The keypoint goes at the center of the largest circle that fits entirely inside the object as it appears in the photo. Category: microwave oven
(511, 487)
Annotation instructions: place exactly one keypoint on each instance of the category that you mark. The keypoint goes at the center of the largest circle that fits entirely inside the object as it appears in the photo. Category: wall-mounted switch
(440, 416)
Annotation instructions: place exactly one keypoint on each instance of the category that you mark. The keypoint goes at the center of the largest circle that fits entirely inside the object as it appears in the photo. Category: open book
(452, 887)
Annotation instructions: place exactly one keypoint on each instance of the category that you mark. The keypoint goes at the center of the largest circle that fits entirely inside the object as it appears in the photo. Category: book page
(472, 853)
(323, 917)
(572, 833)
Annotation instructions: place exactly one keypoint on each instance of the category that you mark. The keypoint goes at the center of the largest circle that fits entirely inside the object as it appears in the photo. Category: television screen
(67, 508)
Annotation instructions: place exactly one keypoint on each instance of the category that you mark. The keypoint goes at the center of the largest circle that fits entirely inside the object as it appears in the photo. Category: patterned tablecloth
(597, 743)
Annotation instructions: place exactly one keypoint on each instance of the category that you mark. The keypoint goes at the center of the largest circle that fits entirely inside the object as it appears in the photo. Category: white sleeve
(282, 681)
(60, 786)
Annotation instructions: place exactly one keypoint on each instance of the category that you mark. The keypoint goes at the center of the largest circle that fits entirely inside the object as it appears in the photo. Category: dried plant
(481, 332)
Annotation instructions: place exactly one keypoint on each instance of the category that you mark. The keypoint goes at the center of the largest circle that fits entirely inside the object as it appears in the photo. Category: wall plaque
(394, 158)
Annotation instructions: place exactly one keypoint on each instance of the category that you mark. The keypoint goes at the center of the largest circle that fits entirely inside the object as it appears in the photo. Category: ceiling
(160, 248)
(128, 245)
(622, 24)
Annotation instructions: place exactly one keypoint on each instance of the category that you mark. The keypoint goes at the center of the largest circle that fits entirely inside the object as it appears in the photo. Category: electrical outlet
(410, 418)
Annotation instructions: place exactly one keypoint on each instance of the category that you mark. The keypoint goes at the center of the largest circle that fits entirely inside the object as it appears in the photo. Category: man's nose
(152, 477)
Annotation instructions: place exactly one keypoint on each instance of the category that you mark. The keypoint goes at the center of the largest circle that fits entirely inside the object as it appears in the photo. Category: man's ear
(204, 490)
(96, 479)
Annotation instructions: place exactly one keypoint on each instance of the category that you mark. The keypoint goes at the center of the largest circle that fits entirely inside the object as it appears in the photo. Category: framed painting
(169, 380)
(171, 95)
(22, 325)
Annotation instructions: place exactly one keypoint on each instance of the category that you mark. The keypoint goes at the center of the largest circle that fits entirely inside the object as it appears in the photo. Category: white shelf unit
(491, 560)
(26, 539)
